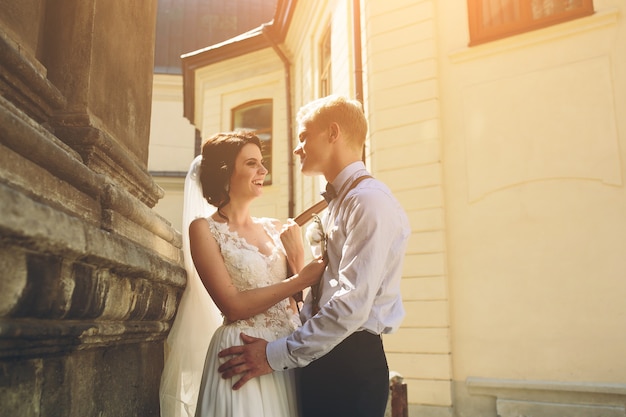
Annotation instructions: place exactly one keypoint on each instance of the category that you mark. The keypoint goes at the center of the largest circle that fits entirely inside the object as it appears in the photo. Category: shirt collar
(347, 173)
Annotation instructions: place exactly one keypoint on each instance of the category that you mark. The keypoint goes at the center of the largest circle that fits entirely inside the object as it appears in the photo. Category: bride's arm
(235, 304)
(291, 238)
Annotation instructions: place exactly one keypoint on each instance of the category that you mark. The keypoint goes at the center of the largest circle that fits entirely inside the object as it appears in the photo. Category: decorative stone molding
(517, 398)
(90, 276)
(23, 81)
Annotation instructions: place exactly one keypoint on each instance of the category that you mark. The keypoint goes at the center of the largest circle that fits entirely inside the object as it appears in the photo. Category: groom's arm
(249, 360)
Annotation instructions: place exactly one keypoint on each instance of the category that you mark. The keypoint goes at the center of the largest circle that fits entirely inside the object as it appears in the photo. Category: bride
(242, 262)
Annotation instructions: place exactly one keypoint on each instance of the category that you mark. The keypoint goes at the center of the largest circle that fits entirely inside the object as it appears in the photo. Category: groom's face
(313, 148)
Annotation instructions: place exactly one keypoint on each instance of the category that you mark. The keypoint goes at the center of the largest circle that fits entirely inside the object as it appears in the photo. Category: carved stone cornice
(71, 285)
(103, 154)
(85, 263)
(23, 81)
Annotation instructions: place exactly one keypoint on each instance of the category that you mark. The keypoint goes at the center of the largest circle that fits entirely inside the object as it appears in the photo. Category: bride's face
(249, 173)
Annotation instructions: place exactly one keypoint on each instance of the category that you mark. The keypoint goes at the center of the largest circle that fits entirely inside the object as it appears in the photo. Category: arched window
(256, 116)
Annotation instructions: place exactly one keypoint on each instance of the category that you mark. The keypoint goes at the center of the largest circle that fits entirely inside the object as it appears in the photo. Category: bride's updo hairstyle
(218, 163)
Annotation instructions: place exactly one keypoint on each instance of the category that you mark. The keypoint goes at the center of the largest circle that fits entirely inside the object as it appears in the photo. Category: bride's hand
(291, 238)
(312, 272)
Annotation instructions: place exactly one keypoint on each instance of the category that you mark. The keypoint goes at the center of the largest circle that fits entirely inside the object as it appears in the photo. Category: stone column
(90, 275)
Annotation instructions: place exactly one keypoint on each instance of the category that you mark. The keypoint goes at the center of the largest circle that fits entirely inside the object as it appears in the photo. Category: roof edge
(245, 43)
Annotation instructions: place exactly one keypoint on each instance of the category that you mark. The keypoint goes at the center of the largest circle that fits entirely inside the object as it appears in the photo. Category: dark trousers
(350, 381)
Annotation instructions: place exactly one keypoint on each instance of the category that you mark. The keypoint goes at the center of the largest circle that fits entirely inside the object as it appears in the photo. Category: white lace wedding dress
(272, 395)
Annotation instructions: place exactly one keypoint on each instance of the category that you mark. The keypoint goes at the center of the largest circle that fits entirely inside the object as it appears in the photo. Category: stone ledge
(548, 398)
(37, 145)
(493, 385)
(512, 408)
(104, 155)
(32, 338)
(23, 79)
(41, 228)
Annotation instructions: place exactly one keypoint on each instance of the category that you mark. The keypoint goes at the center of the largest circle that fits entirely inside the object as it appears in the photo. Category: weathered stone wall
(90, 276)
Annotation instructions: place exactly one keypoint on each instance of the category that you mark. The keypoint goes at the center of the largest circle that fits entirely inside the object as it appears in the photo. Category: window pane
(547, 8)
(257, 117)
(495, 19)
(500, 12)
(254, 117)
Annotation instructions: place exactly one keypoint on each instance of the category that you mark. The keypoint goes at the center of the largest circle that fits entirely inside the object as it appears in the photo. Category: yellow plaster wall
(170, 206)
(405, 151)
(171, 148)
(171, 135)
(534, 139)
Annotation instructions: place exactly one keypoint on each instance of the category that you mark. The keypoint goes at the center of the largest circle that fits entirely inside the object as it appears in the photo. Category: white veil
(196, 319)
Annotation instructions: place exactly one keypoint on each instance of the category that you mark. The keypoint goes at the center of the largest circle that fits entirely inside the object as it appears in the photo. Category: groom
(339, 347)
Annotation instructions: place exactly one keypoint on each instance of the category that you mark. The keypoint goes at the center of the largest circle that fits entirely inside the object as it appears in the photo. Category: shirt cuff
(278, 355)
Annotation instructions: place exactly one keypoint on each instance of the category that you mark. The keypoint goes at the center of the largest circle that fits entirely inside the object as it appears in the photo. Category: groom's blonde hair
(347, 113)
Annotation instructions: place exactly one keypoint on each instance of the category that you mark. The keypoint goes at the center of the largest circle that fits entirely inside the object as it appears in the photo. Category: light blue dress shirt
(367, 237)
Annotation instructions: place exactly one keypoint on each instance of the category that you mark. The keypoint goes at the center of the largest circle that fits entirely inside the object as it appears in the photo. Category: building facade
(502, 131)
(183, 26)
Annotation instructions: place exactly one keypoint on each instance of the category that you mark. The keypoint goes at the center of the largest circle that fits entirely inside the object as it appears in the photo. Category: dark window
(325, 68)
(494, 19)
(256, 116)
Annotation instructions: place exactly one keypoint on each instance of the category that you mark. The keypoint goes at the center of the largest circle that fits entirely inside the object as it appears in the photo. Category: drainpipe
(290, 145)
(358, 61)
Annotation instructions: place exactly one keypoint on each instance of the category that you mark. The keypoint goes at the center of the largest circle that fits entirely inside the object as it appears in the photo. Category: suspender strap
(352, 186)
(318, 207)
(308, 214)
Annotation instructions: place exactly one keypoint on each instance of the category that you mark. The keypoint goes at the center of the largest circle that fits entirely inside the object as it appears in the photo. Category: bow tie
(330, 193)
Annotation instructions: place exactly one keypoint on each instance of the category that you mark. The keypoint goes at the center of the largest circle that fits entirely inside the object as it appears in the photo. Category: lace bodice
(249, 268)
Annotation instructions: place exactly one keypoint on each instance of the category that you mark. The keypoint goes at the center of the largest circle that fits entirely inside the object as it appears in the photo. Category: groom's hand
(249, 360)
